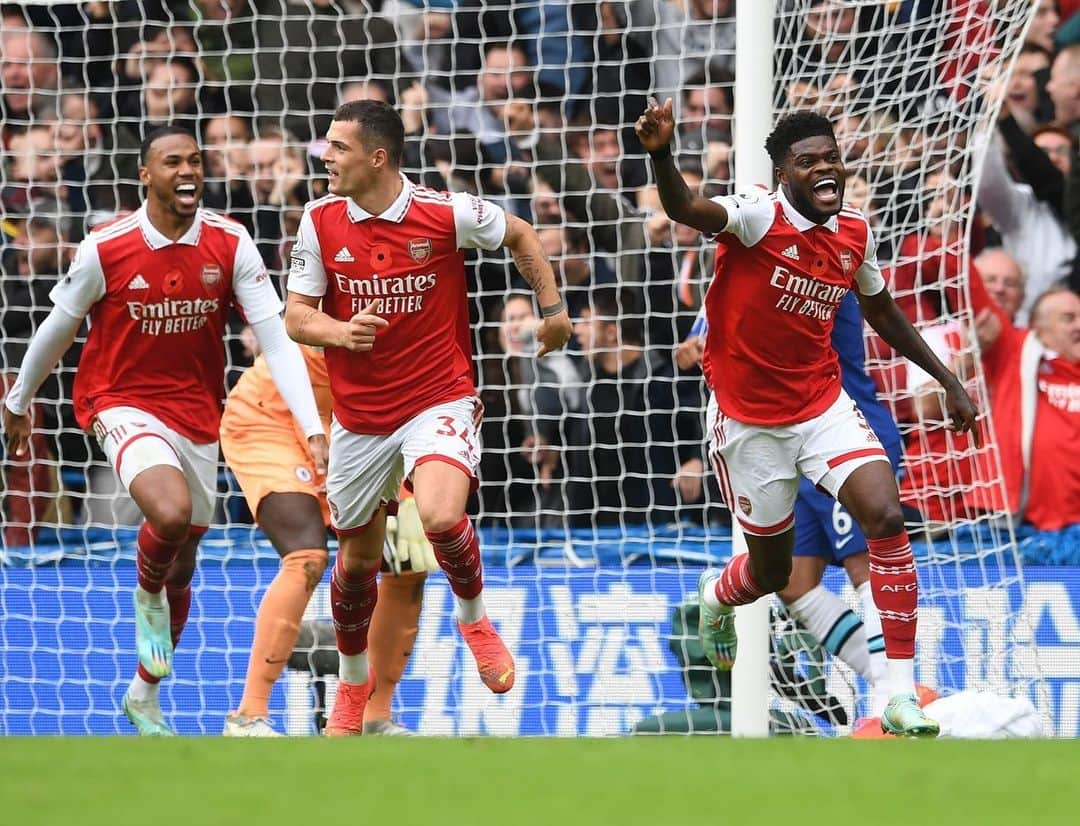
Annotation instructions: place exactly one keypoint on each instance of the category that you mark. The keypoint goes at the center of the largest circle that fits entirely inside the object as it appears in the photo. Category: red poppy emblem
(380, 257)
(173, 282)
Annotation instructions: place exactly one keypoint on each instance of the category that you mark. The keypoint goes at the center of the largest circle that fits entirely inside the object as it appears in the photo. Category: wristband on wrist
(553, 309)
(661, 154)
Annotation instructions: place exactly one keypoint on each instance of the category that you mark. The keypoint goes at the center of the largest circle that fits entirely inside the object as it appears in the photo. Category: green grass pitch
(647, 780)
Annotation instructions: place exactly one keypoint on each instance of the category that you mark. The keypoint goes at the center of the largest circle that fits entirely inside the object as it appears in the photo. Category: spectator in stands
(1064, 89)
(305, 48)
(1022, 93)
(478, 110)
(170, 95)
(226, 150)
(29, 74)
(102, 161)
(30, 268)
(1031, 230)
(684, 39)
(526, 400)
(1043, 26)
(1003, 278)
(707, 106)
(1034, 378)
(576, 270)
(279, 190)
(636, 455)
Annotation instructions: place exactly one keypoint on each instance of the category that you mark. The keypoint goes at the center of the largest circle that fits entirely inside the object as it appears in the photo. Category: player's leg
(755, 468)
(353, 596)
(441, 491)
(441, 454)
(843, 456)
(824, 533)
(364, 473)
(138, 447)
(393, 632)
(857, 567)
(294, 524)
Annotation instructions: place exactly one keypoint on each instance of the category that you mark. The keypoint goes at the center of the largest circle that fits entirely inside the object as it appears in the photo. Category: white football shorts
(134, 441)
(367, 471)
(758, 467)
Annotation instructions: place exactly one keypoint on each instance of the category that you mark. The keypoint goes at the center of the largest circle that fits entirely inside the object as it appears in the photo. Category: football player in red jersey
(158, 286)
(780, 411)
(378, 279)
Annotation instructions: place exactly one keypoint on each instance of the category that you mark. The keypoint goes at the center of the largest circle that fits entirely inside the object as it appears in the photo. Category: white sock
(836, 626)
(875, 642)
(709, 594)
(353, 668)
(469, 611)
(901, 677)
(141, 691)
(150, 598)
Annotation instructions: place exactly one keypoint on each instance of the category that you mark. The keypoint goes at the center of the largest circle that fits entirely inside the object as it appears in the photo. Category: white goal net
(595, 509)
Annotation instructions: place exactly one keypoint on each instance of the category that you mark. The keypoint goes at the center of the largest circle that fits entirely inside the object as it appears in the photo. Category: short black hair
(162, 132)
(793, 128)
(380, 126)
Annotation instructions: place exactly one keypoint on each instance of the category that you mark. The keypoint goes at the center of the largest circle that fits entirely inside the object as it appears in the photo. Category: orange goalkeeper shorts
(267, 457)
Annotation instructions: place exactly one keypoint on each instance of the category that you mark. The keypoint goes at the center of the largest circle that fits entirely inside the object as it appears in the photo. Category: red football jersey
(409, 262)
(157, 311)
(771, 304)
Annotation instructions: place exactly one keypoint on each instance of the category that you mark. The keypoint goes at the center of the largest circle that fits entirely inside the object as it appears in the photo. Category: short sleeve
(251, 285)
(750, 214)
(306, 273)
(479, 223)
(868, 277)
(84, 284)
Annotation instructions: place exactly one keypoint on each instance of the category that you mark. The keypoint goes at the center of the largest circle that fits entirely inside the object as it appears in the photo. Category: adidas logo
(791, 252)
(138, 283)
(344, 256)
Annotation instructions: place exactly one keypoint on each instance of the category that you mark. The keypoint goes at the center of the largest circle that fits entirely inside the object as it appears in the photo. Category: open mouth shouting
(186, 195)
(827, 192)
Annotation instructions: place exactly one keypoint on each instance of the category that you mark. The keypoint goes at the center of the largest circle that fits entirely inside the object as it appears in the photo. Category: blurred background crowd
(531, 104)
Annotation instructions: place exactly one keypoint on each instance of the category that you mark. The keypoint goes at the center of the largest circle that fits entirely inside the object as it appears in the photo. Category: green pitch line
(649, 780)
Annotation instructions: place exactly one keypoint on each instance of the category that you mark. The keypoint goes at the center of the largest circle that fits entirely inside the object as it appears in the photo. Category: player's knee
(884, 521)
(440, 519)
(171, 520)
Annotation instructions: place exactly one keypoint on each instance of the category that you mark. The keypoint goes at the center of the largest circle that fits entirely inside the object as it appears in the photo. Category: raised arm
(524, 244)
(881, 313)
(654, 129)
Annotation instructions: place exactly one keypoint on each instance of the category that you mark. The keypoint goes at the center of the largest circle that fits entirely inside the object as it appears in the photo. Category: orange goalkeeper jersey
(255, 399)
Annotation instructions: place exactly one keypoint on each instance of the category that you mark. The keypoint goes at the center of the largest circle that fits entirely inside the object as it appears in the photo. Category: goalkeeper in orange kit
(281, 474)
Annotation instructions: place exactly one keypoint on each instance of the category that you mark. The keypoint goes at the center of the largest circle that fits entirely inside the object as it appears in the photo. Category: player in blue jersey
(825, 533)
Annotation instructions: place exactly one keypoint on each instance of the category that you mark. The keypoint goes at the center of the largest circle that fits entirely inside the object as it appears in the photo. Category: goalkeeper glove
(407, 547)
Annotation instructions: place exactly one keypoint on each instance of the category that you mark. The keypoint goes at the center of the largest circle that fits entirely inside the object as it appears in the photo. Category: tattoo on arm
(304, 321)
(529, 269)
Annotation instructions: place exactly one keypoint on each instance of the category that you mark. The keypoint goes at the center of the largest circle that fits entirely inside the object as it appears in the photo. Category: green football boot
(903, 718)
(716, 626)
(146, 716)
(153, 637)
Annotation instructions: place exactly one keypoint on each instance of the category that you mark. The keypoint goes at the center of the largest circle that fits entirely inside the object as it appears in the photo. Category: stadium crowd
(531, 105)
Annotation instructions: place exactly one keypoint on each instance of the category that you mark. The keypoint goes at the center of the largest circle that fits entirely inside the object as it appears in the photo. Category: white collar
(156, 241)
(395, 212)
(800, 221)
